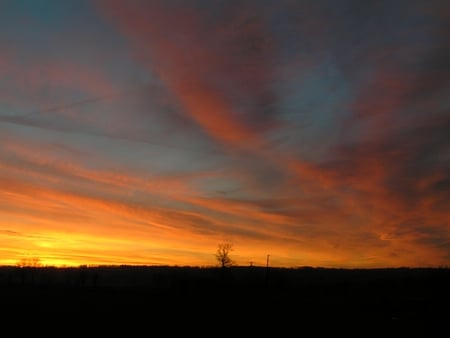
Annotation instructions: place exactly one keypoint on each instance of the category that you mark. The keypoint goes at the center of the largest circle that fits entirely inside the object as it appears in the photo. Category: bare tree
(29, 262)
(223, 254)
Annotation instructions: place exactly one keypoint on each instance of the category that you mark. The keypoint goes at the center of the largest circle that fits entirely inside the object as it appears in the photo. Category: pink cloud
(209, 66)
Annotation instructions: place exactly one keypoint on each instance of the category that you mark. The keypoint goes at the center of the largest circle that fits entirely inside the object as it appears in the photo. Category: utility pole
(267, 270)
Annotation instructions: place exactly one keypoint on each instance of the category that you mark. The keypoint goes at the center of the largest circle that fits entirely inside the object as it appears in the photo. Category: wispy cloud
(316, 132)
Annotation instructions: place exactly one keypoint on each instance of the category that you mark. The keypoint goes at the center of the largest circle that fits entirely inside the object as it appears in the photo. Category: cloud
(217, 59)
(317, 132)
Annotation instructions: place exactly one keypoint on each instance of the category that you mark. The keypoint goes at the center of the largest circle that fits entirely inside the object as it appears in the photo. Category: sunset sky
(148, 132)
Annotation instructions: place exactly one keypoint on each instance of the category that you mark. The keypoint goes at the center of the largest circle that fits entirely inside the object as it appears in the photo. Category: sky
(313, 133)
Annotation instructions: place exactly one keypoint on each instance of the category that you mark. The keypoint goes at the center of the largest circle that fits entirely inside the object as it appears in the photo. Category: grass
(250, 300)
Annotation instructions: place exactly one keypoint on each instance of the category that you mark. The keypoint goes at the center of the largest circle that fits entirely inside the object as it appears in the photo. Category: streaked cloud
(313, 132)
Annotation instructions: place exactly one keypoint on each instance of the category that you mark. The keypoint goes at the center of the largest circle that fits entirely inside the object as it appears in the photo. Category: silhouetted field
(254, 301)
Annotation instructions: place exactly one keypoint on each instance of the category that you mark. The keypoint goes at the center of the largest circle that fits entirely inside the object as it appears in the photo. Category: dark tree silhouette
(223, 254)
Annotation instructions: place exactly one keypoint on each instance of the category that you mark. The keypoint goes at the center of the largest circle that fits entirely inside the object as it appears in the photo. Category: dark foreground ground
(250, 302)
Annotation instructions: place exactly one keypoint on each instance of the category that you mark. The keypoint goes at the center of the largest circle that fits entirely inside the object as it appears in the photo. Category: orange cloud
(207, 67)
(377, 199)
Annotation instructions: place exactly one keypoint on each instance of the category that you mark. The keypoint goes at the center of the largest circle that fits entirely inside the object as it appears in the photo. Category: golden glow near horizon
(152, 133)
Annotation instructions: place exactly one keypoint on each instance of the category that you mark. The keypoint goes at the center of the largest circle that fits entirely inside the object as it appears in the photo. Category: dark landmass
(250, 301)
